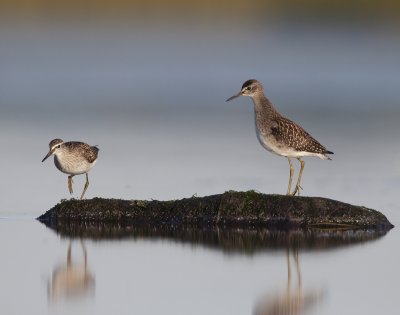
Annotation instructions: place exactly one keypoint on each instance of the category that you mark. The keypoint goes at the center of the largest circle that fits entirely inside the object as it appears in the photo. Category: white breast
(72, 166)
(267, 144)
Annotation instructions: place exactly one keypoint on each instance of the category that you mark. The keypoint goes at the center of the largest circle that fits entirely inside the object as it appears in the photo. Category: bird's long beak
(234, 96)
(47, 155)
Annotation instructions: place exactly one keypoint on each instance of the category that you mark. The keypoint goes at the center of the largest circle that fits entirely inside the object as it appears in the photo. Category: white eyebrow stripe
(56, 145)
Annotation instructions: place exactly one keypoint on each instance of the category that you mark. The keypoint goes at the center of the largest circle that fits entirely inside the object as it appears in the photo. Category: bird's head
(54, 146)
(249, 88)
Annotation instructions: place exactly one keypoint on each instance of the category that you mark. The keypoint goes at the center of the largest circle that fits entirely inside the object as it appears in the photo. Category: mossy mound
(235, 209)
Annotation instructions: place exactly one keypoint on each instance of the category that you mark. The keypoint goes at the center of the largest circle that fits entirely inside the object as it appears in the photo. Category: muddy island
(231, 209)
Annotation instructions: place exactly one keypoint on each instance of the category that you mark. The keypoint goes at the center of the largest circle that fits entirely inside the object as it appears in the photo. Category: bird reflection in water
(71, 280)
(293, 300)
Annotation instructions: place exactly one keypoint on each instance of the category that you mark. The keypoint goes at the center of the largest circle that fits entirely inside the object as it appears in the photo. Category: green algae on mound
(241, 209)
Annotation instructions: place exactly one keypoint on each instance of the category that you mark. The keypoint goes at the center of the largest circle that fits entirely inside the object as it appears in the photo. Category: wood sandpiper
(280, 135)
(73, 158)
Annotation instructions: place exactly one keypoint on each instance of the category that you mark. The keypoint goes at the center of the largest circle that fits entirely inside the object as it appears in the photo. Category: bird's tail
(326, 156)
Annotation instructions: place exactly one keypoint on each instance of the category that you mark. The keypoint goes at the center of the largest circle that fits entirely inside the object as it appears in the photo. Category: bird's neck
(57, 162)
(263, 106)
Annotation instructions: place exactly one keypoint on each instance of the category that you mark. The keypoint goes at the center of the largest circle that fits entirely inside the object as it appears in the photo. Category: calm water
(154, 103)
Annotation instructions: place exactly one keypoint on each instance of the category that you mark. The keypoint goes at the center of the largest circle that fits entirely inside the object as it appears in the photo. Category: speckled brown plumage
(88, 152)
(292, 135)
(280, 135)
(73, 158)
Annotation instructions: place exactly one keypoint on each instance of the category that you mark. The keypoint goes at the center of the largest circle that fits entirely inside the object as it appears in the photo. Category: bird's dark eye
(248, 88)
(59, 146)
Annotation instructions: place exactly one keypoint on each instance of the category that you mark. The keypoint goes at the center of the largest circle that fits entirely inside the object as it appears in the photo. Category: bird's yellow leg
(86, 185)
(298, 187)
(291, 176)
(70, 184)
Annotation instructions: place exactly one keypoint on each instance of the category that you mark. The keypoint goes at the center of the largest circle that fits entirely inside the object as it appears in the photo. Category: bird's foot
(297, 190)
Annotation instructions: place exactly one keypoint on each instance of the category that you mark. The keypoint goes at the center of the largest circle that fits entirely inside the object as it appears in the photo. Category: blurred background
(147, 83)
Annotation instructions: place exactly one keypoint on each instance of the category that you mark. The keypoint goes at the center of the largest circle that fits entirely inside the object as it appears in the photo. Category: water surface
(153, 101)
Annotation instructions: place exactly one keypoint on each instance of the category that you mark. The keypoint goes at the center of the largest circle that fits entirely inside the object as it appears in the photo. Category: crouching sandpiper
(73, 158)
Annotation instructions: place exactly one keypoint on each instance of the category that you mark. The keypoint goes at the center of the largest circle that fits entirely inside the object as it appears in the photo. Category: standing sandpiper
(73, 158)
(280, 135)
